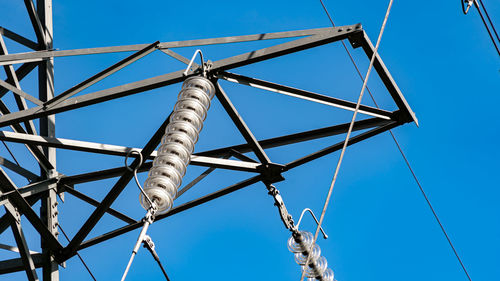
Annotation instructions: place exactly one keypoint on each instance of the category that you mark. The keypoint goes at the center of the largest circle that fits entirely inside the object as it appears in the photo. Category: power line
(489, 19)
(465, 10)
(351, 125)
(404, 156)
(486, 25)
(430, 206)
(80, 257)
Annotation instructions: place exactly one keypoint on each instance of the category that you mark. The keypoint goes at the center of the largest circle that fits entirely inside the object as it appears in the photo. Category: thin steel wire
(489, 19)
(80, 257)
(486, 25)
(351, 125)
(405, 158)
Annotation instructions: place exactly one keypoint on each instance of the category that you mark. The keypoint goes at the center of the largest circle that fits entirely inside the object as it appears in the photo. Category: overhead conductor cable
(346, 139)
(465, 10)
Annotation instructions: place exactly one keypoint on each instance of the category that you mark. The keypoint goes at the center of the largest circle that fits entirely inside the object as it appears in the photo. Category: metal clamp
(315, 219)
(286, 218)
(469, 4)
(203, 70)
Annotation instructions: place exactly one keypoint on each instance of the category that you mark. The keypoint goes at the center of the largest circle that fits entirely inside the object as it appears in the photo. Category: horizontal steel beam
(29, 190)
(339, 145)
(221, 152)
(101, 175)
(120, 150)
(306, 95)
(101, 75)
(300, 137)
(39, 56)
(15, 265)
(14, 249)
(173, 211)
(333, 34)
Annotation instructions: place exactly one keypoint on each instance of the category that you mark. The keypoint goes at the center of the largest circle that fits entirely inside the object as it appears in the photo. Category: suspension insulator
(317, 269)
(177, 144)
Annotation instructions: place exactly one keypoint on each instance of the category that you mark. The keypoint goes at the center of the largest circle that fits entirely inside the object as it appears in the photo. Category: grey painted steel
(120, 150)
(221, 152)
(25, 197)
(18, 169)
(12, 77)
(334, 34)
(39, 56)
(101, 75)
(18, 38)
(48, 207)
(96, 203)
(20, 92)
(178, 57)
(38, 27)
(34, 150)
(30, 190)
(118, 187)
(339, 145)
(20, 203)
(363, 40)
(24, 251)
(241, 156)
(240, 124)
(14, 249)
(101, 174)
(5, 220)
(302, 94)
(299, 137)
(21, 72)
(173, 211)
(14, 265)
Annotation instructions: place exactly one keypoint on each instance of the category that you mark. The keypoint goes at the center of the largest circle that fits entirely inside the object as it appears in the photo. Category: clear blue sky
(379, 224)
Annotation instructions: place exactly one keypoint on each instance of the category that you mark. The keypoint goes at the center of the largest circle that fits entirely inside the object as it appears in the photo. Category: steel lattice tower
(46, 186)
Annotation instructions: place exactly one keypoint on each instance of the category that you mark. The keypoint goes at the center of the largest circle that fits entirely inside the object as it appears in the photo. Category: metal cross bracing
(19, 201)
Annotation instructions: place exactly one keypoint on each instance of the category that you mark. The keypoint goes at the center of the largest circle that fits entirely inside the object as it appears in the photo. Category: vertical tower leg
(48, 210)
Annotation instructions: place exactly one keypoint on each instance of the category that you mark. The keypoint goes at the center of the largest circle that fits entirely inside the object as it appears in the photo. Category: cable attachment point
(150, 245)
(286, 218)
(203, 68)
(315, 219)
(134, 170)
(469, 3)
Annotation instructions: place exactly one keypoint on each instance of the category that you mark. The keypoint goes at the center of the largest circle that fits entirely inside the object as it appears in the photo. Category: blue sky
(379, 225)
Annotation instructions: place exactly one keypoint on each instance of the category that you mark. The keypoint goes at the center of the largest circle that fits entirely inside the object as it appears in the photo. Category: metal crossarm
(44, 187)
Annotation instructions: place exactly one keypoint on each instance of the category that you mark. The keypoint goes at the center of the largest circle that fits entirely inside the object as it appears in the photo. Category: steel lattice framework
(18, 201)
